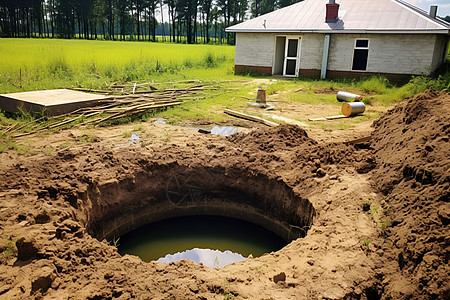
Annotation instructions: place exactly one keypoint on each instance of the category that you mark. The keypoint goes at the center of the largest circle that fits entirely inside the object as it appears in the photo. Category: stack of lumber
(132, 101)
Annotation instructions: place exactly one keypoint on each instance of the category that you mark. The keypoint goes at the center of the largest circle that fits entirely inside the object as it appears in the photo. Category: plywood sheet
(52, 102)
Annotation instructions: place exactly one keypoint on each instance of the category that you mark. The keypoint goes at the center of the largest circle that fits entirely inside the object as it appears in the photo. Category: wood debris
(125, 100)
(327, 118)
(250, 117)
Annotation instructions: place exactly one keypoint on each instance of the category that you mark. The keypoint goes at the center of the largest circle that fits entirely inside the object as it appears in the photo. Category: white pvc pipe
(326, 49)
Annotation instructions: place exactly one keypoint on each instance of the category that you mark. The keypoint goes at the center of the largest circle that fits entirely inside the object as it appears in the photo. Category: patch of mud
(50, 205)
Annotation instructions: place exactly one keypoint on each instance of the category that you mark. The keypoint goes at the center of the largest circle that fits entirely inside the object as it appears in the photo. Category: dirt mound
(412, 142)
(275, 138)
(296, 157)
(413, 171)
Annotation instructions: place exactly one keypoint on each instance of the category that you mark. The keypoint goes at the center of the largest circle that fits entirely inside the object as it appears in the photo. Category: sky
(443, 6)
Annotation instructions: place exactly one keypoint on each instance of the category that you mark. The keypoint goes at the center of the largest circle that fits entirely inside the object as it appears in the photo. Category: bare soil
(380, 228)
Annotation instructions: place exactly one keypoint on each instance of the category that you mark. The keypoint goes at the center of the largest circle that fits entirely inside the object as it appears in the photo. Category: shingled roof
(355, 16)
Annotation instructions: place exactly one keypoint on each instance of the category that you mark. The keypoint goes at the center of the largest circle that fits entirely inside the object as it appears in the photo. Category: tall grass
(388, 94)
(43, 64)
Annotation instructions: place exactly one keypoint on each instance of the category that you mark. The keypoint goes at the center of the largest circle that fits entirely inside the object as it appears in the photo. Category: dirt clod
(279, 277)
(26, 248)
(42, 218)
(320, 172)
(42, 280)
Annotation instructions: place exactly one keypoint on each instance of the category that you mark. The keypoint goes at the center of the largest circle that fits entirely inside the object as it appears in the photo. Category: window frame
(355, 47)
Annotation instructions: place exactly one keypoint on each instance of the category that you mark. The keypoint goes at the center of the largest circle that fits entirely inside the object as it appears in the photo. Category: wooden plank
(357, 141)
(327, 118)
(250, 117)
(248, 98)
(90, 90)
(335, 117)
(11, 128)
(317, 119)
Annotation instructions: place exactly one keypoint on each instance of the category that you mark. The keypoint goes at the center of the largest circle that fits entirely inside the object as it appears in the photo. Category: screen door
(291, 57)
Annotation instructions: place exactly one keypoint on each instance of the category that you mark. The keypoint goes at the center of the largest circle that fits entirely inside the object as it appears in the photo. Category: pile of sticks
(156, 87)
(117, 106)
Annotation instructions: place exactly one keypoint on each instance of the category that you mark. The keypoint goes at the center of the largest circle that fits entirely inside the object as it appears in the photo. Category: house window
(360, 55)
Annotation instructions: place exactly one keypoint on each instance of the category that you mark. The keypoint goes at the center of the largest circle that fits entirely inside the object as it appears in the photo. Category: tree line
(190, 21)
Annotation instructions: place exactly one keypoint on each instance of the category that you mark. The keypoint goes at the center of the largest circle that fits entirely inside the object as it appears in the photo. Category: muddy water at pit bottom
(212, 240)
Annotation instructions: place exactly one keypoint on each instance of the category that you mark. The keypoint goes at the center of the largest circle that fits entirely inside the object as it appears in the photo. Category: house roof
(355, 16)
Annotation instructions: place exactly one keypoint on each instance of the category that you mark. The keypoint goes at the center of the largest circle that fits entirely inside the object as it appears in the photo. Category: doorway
(287, 58)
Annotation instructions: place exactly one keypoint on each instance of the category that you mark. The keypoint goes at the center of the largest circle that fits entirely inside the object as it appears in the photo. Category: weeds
(367, 243)
(373, 209)
(376, 84)
(370, 208)
(48, 151)
(366, 100)
(210, 61)
(166, 137)
(9, 251)
(8, 144)
(229, 296)
(88, 138)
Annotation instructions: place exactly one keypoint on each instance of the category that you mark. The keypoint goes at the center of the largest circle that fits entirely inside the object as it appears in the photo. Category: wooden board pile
(133, 99)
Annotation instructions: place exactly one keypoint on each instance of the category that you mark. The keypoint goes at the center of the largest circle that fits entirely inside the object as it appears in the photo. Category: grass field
(50, 63)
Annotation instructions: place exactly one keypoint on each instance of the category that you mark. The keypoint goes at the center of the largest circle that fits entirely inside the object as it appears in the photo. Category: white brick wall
(254, 49)
(388, 53)
(311, 51)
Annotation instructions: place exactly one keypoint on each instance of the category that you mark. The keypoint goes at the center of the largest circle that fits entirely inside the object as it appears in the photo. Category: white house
(349, 39)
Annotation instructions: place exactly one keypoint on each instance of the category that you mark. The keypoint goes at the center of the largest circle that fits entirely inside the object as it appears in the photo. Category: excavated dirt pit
(157, 193)
(119, 207)
(377, 213)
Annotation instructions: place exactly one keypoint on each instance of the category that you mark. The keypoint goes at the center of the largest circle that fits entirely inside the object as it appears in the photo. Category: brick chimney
(332, 12)
(433, 11)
